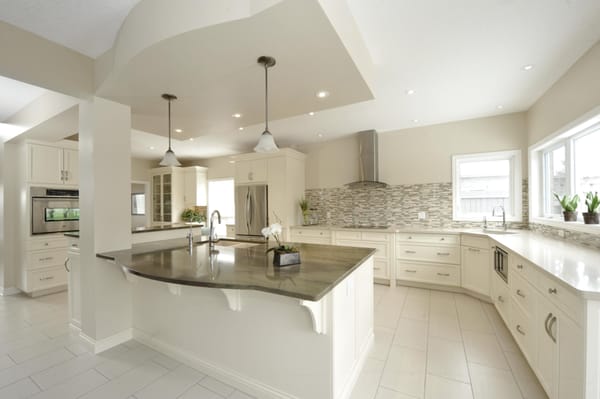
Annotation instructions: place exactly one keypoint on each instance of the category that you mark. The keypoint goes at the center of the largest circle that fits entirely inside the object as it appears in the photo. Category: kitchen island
(300, 331)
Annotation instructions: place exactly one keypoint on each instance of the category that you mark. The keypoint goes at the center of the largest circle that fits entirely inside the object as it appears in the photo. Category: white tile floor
(428, 344)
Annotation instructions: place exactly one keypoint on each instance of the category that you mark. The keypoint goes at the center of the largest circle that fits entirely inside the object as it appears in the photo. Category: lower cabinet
(383, 243)
(310, 235)
(42, 267)
(501, 297)
(476, 265)
(73, 267)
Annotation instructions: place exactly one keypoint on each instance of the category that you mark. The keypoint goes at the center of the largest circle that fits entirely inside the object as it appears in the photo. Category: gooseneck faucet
(503, 215)
(190, 238)
(212, 238)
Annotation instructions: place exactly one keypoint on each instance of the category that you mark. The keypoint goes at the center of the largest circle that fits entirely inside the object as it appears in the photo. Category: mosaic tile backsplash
(394, 205)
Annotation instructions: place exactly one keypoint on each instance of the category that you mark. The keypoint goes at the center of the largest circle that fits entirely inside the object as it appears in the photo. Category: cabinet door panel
(71, 166)
(476, 270)
(45, 164)
(547, 353)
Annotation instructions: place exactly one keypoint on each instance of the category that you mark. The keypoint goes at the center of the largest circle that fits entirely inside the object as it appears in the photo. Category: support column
(105, 225)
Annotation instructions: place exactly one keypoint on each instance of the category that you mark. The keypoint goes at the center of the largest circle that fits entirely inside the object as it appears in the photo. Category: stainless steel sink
(499, 231)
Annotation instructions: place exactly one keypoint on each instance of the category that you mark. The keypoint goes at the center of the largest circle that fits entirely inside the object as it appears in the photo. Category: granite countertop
(242, 265)
(148, 229)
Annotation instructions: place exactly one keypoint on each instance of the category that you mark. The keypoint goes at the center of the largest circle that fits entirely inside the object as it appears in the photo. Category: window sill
(572, 226)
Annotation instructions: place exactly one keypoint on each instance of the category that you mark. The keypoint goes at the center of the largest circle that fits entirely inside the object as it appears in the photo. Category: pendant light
(266, 143)
(169, 159)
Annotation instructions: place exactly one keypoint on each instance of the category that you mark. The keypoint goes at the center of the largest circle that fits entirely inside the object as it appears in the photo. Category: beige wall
(418, 155)
(140, 169)
(574, 94)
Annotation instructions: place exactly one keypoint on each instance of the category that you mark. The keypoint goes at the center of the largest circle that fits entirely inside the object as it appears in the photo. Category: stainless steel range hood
(368, 161)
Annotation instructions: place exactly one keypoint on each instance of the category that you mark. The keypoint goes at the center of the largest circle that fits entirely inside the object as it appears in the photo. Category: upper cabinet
(52, 164)
(251, 171)
(195, 186)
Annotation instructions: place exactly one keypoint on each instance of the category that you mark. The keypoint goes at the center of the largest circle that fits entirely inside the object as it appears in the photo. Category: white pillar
(105, 225)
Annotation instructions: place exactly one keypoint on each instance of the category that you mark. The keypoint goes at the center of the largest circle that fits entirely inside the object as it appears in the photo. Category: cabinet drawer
(501, 297)
(381, 248)
(451, 239)
(522, 328)
(474, 241)
(46, 278)
(38, 259)
(523, 293)
(348, 235)
(428, 253)
(36, 244)
(371, 236)
(562, 297)
(445, 275)
(526, 269)
(309, 239)
(381, 269)
(311, 232)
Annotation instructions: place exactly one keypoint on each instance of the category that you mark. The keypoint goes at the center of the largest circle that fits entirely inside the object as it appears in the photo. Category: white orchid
(275, 230)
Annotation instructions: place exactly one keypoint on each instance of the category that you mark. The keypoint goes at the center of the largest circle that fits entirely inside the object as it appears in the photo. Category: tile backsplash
(394, 205)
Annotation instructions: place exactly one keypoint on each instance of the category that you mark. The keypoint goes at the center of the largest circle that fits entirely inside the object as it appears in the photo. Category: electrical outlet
(422, 215)
(328, 215)
(561, 233)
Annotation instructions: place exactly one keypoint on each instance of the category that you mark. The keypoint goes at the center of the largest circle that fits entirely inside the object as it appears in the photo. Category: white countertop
(575, 265)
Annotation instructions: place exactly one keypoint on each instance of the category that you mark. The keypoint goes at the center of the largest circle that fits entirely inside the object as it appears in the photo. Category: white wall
(574, 94)
(417, 155)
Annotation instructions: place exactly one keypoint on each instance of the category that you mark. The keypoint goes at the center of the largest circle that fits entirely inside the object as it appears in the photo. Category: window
(138, 204)
(221, 197)
(569, 166)
(483, 181)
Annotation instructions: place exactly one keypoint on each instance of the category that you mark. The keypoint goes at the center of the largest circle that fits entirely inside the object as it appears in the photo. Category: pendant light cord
(170, 125)
(266, 98)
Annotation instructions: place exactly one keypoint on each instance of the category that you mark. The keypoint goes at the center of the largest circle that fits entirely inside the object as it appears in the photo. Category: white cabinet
(283, 172)
(167, 195)
(500, 294)
(428, 258)
(310, 235)
(51, 164)
(195, 186)
(73, 268)
(476, 264)
(383, 243)
(560, 356)
(42, 270)
(251, 171)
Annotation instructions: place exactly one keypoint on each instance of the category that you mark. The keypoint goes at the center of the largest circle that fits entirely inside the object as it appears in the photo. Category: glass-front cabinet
(167, 196)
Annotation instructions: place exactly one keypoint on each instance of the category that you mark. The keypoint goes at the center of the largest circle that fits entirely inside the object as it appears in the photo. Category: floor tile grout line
(35, 383)
(460, 329)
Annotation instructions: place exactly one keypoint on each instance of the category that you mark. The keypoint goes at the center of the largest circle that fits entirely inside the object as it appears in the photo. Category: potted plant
(191, 215)
(283, 255)
(303, 203)
(569, 206)
(592, 202)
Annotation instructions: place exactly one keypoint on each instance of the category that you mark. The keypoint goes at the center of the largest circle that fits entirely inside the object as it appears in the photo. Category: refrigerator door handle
(252, 210)
(247, 210)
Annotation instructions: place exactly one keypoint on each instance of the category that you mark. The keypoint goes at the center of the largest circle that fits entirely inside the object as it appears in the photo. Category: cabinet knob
(552, 290)
(519, 266)
(520, 293)
(520, 330)
(500, 299)
(250, 176)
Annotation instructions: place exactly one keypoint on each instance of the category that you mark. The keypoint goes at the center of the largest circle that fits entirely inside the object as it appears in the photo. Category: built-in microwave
(501, 263)
(54, 210)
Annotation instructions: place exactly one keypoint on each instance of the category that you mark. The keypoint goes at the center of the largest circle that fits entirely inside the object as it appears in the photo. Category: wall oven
(501, 263)
(54, 210)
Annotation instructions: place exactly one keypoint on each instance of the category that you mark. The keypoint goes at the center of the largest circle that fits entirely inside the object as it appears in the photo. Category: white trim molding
(108, 342)
(5, 291)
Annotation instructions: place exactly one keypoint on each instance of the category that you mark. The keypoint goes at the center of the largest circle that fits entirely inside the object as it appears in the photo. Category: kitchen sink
(499, 231)
(360, 226)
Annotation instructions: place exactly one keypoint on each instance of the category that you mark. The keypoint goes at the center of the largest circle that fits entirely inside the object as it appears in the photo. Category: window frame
(567, 135)
(515, 179)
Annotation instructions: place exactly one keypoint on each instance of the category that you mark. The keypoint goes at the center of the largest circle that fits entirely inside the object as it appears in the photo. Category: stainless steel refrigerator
(251, 209)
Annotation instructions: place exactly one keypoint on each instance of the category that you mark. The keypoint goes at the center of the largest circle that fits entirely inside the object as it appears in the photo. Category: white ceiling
(86, 26)
(463, 59)
(14, 95)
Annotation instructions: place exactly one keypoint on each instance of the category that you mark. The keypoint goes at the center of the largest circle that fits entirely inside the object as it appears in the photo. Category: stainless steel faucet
(503, 215)
(190, 238)
(212, 238)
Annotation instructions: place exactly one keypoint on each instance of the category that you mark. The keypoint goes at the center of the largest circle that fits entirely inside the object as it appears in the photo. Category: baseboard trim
(108, 342)
(239, 381)
(446, 288)
(6, 291)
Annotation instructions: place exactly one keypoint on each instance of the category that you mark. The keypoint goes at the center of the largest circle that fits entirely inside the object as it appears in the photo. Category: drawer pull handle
(444, 274)
(552, 290)
(66, 265)
(520, 330)
(520, 293)
(321, 233)
(410, 252)
(46, 258)
(46, 244)
(377, 268)
(442, 239)
(443, 253)
(519, 266)
(500, 299)
(410, 271)
(46, 278)
(474, 249)
(410, 237)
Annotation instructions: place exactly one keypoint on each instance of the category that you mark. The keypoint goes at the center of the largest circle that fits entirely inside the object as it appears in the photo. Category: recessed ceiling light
(410, 92)
(241, 128)
(415, 121)
(319, 135)
(311, 113)
(499, 106)
(178, 130)
(191, 139)
(231, 161)
(237, 115)
(527, 67)
(322, 94)
(151, 147)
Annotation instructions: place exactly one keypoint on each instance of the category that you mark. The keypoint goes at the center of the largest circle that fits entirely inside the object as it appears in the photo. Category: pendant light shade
(266, 143)
(169, 159)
